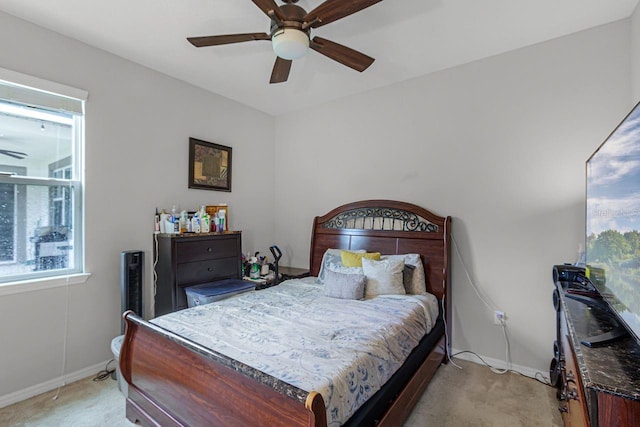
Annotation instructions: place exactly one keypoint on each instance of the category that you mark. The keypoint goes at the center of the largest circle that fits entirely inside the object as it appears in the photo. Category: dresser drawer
(201, 250)
(207, 271)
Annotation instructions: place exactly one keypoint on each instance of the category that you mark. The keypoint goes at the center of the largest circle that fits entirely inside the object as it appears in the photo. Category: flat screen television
(613, 220)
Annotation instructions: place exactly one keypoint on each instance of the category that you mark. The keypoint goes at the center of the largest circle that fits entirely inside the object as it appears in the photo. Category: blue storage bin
(215, 291)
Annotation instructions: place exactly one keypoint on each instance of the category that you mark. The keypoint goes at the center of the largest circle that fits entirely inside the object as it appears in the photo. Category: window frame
(55, 97)
(18, 203)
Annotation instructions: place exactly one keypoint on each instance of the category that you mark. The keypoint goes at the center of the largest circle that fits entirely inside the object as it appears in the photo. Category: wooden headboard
(388, 227)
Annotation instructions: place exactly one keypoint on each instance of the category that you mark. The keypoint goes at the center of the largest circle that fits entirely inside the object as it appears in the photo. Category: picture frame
(209, 166)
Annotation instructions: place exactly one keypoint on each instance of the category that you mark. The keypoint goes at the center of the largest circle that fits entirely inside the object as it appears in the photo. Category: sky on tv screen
(613, 180)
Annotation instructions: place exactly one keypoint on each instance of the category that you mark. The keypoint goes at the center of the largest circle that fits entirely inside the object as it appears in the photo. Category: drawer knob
(208, 249)
(209, 269)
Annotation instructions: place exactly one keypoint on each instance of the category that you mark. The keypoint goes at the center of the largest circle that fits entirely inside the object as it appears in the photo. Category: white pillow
(383, 277)
(330, 256)
(415, 283)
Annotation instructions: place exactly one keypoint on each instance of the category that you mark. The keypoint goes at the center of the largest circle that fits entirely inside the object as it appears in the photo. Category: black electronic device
(573, 278)
(568, 273)
(132, 282)
(578, 287)
(277, 254)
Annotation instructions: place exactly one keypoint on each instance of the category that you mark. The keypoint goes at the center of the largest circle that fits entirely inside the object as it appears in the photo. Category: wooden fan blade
(342, 54)
(15, 154)
(227, 39)
(267, 5)
(280, 71)
(332, 10)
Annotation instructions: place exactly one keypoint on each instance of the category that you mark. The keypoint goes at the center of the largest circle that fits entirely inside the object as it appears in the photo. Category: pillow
(415, 282)
(339, 268)
(354, 259)
(383, 277)
(329, 256)
(344, 286)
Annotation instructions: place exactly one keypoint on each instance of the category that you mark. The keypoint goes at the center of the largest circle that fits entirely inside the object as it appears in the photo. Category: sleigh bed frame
(176, 382)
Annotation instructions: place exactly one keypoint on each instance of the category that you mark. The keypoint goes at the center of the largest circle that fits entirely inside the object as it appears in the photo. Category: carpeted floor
(473, 396)
(476, 397)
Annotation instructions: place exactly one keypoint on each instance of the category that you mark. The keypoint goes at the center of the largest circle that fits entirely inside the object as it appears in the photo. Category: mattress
(343, 349)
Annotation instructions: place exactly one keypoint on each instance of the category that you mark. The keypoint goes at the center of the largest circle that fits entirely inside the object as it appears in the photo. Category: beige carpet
(476, 397)
(473, 397)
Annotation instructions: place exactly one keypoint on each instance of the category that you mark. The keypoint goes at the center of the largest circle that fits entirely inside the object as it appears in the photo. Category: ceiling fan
(290, 34)
(15, 154)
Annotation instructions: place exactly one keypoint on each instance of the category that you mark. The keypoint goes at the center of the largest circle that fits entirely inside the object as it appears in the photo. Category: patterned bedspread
(343, 349)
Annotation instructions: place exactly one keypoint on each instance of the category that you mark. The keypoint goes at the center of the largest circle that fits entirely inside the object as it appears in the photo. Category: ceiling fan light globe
(290, 43)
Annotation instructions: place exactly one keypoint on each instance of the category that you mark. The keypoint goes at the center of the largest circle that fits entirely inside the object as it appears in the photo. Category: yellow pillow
(354, 259)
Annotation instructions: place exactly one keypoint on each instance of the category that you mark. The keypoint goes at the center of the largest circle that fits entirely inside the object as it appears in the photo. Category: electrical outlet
(499, 318)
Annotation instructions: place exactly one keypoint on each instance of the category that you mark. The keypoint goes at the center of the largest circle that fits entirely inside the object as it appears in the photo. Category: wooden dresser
(598, 386)
(192, 259)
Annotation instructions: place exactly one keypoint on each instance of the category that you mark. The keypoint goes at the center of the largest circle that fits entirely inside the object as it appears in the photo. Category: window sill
(39, 284)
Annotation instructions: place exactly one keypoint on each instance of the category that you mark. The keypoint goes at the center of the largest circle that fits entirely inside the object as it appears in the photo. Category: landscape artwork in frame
(209, 166)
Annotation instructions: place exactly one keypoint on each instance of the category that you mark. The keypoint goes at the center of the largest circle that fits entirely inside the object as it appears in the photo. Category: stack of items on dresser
(207, 219)
(257, 269)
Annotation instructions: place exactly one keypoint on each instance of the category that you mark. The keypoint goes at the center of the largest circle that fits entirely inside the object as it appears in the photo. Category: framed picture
(209, 166)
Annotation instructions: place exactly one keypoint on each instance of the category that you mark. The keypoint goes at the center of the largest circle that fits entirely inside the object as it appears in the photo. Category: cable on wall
(490, 307)
(64, 342)
(538, 376)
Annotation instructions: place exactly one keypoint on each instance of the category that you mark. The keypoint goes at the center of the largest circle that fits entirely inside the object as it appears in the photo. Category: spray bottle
(221, 220)
(195, 223)
(205, 225)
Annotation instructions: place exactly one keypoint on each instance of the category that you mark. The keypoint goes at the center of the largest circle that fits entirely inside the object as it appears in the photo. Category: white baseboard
(499, 364)
(20, 395)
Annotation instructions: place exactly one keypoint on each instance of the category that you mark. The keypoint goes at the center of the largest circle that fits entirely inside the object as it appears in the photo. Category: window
(41, 187)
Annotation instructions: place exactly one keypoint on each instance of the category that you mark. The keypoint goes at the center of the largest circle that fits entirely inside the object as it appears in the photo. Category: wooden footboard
(173, 384)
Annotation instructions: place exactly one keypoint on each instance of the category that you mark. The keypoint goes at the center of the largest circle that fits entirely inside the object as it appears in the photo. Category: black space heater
(131, 282)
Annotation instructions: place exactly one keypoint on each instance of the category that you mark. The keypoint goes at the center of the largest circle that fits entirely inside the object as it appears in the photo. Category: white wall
(498, 144)
(635, 54)
(137, 127)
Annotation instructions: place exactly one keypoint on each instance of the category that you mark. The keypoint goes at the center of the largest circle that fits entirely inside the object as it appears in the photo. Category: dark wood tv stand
(598, 386)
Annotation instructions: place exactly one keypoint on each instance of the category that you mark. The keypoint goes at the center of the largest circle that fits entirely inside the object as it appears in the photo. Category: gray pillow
(344, 286)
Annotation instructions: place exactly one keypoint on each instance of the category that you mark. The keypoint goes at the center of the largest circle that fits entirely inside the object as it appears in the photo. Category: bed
(177, 379)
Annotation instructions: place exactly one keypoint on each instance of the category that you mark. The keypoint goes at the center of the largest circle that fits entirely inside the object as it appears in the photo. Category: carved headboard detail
(380, 218)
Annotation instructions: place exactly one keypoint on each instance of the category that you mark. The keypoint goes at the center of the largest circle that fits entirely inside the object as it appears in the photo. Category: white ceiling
(408, 38)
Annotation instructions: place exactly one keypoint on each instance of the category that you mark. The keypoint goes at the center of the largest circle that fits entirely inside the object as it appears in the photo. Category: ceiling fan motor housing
(293, 17)
(288, 39)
